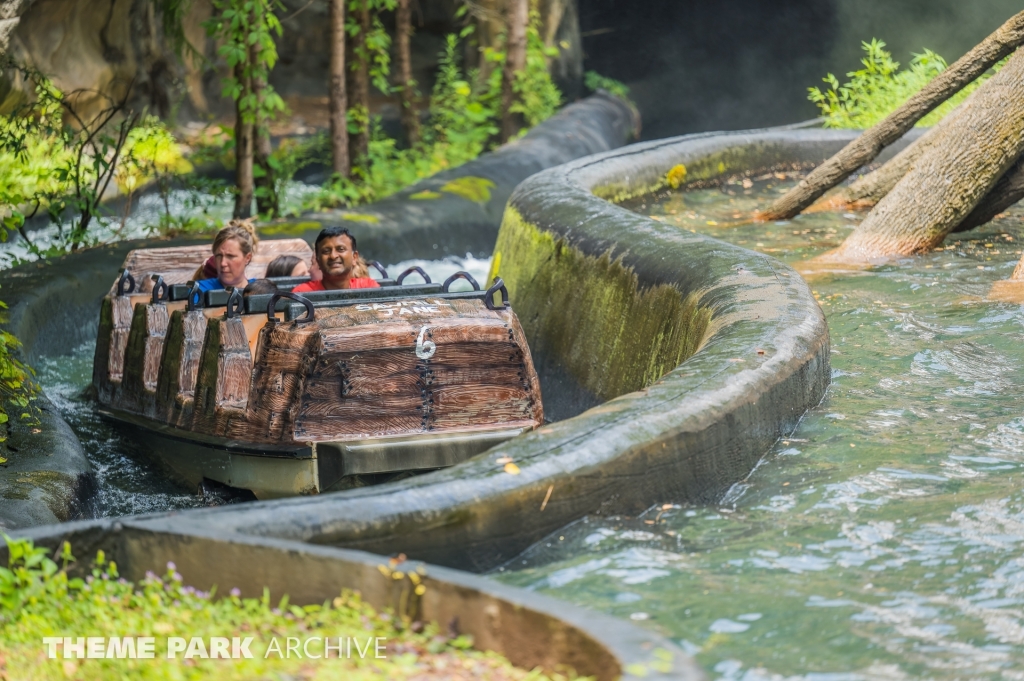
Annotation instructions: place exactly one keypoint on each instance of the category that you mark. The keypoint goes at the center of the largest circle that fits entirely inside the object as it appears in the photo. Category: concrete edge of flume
(530, 629)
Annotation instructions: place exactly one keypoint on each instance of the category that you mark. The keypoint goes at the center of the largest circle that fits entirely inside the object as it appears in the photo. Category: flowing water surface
(885, 537)
(130, 482)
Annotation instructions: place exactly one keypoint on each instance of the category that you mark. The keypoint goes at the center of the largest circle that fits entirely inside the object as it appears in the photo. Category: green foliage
(85, 154)
(17, 387)
(464, 122)
(594, 81)
(873, 92)
(38, 599)
(537, 96)
(247, 29)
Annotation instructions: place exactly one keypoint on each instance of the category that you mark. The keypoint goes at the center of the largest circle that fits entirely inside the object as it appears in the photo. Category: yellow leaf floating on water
(676, 176)
(511, 469)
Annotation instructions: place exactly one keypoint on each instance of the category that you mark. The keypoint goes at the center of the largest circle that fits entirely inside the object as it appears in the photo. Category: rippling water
(129, 482)
(885, 537)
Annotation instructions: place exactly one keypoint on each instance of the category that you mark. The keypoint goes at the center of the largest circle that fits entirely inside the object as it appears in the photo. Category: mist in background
(694, 65)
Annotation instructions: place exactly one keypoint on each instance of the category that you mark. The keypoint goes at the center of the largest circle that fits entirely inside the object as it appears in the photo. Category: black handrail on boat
(195, 298)
(498, 285)
(125, 278)
(380, 268)
(460, 275)
(310, 310)
(417, 269)
(160, 290)
(236, 304)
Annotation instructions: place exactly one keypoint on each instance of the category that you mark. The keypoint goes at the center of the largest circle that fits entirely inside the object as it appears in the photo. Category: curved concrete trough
(610, 301)
(529, 629)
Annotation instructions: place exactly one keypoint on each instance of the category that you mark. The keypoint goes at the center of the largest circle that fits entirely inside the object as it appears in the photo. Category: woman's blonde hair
(243, 231)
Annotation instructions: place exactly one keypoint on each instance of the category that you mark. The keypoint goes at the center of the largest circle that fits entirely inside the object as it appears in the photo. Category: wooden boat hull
(273, 472)
(350, 386)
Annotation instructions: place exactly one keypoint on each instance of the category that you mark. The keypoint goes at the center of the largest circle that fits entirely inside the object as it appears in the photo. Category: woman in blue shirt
(233, 248)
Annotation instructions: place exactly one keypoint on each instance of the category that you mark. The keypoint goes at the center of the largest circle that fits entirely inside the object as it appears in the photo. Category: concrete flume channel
(676, 359)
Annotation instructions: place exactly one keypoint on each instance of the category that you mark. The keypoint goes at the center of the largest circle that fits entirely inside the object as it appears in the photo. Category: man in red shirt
(336, 254)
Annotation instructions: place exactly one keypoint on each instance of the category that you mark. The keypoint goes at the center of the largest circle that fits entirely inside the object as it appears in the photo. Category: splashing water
(884, 537)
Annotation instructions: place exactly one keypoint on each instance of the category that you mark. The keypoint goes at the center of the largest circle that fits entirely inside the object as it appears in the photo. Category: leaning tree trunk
(950, 178)
(337, 100)
(403, 70)
(866, 147)
(868, 190)
(515, 62)
(243, 149)
(358, 85)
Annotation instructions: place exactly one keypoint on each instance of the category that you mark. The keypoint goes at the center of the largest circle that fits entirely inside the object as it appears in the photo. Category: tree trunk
(866, 147)
(265, 187)
(337, 97)
(951, 177)
(243, 151)
(359, 85)
(871, 188)
(403, 70)
(515, 61)
(1007, 191)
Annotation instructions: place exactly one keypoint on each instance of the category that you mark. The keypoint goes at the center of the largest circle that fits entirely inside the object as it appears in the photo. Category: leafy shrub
(594, 81)
(874, 91)
(464, 118)
(38, 599)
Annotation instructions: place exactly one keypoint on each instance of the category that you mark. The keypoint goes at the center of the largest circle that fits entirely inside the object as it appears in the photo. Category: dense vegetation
(875, 90)
(38, 599)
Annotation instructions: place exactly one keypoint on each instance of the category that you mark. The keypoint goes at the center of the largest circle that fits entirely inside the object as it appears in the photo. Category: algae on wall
(590, 312)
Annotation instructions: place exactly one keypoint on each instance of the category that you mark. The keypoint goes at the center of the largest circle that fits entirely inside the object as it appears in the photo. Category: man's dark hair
(331, 232)
(260, 287)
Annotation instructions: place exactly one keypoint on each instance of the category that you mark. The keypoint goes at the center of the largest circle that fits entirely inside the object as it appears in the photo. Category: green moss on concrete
(702, 168)
(591, 312)
(475, 189)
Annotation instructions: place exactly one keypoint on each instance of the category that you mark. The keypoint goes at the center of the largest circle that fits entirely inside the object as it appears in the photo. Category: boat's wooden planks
(142, 359)
(223, 380)
(284, 354)
(179, 366)
(379, 377)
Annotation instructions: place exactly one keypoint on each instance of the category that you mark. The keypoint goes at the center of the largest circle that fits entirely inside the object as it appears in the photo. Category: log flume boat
(285, 394)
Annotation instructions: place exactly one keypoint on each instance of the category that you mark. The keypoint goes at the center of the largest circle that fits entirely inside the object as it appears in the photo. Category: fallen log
(866, 147)
(950, 178)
